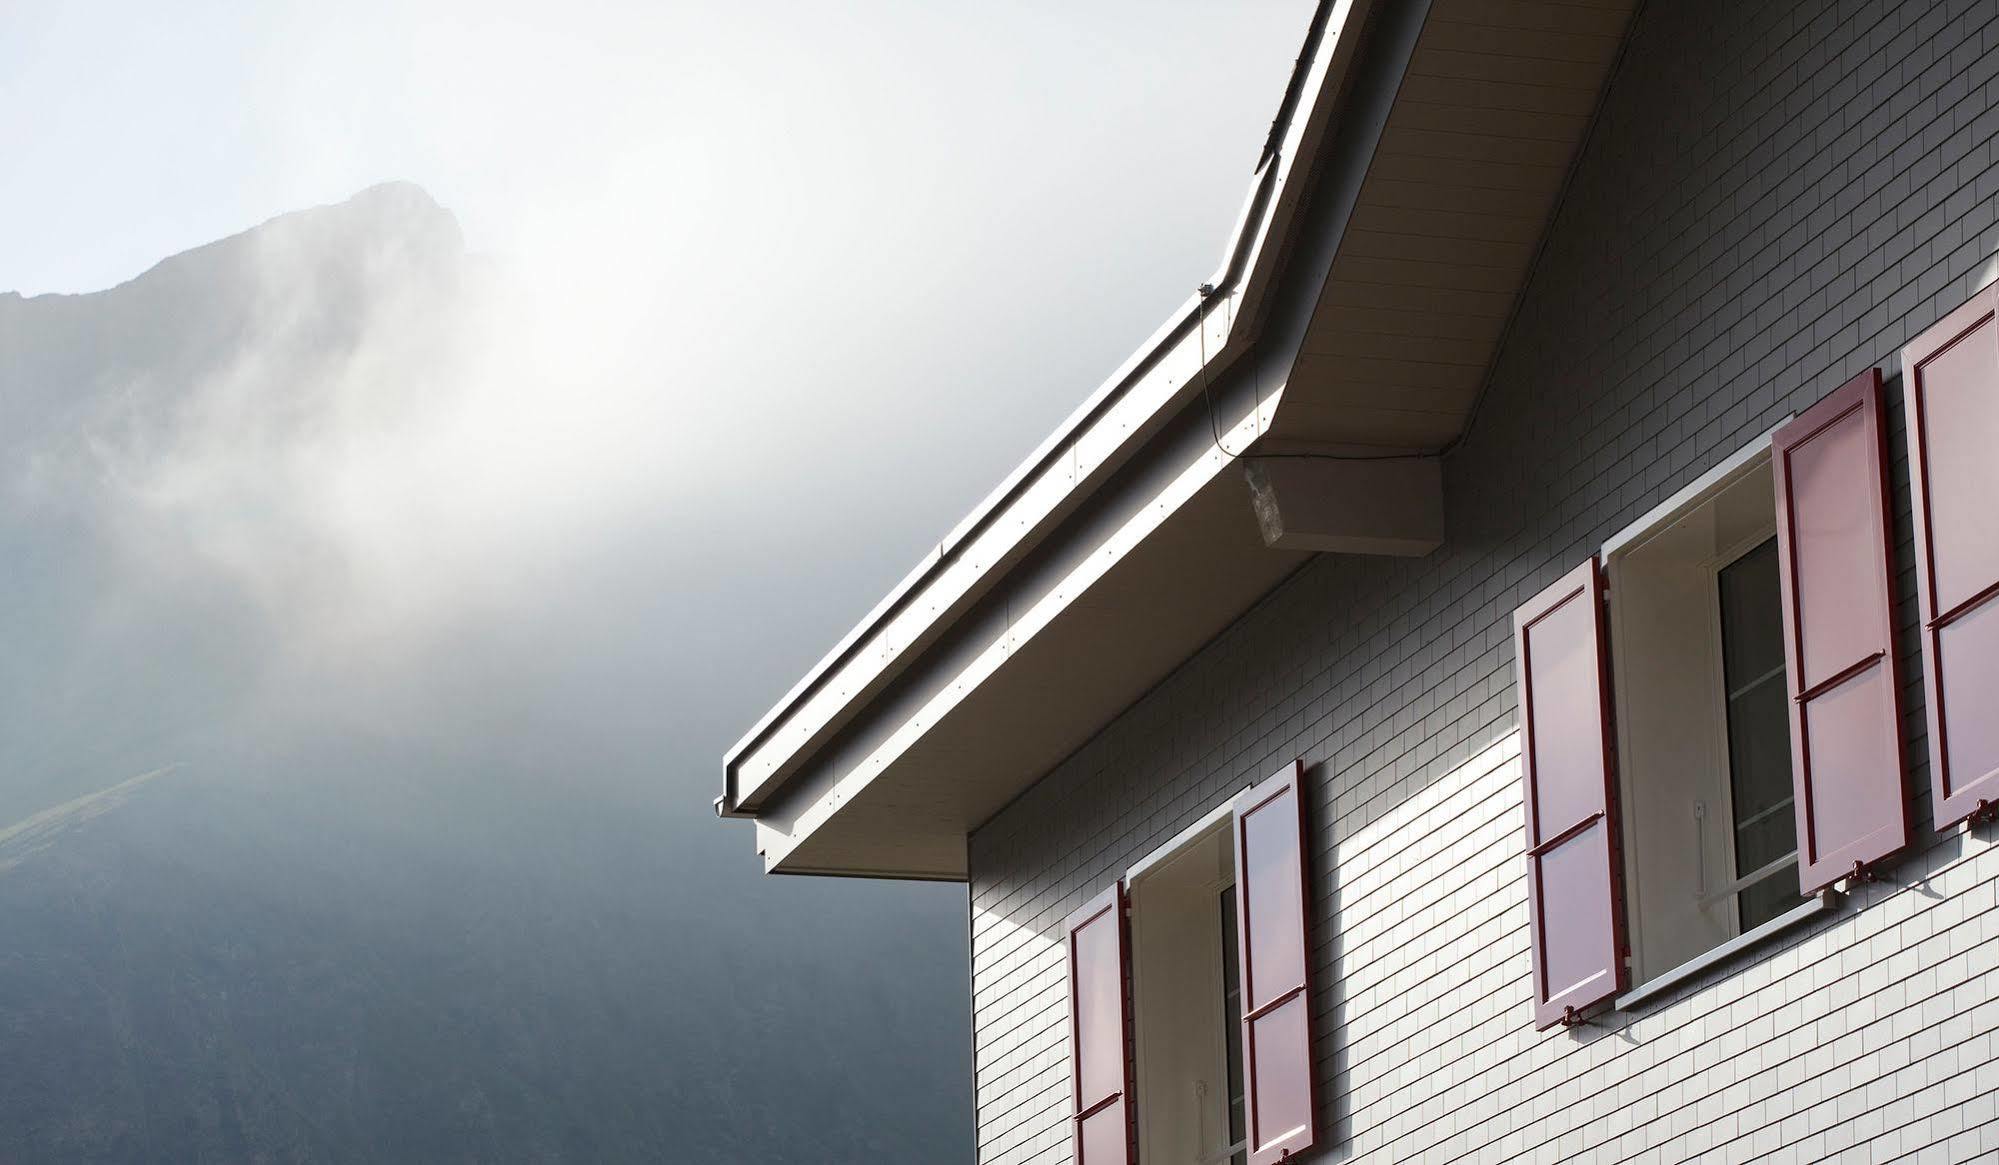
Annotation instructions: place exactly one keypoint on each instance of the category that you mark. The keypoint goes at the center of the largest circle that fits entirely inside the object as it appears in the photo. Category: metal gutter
(1251, 228)
(1010, 487)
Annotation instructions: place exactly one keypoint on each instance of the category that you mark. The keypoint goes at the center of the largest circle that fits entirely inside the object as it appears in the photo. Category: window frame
(1754, 456)
(1217, 821)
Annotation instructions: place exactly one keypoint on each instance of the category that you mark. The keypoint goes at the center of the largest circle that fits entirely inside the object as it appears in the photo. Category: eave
(1365, 290)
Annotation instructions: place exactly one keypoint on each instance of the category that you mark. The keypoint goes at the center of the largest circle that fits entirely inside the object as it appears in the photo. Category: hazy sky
(841, 253)
(770, 295)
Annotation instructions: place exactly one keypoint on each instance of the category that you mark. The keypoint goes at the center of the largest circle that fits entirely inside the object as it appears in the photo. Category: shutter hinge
(1985, 814)
(1860, 874)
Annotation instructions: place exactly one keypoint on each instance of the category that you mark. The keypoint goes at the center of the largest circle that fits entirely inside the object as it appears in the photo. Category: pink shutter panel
(1575, 896)
(1950, 381)
(1273, 940)
(1099, 1031)
(1830, 468)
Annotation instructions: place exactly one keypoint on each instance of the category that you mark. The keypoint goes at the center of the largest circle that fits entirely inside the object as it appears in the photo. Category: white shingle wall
(1778, 196)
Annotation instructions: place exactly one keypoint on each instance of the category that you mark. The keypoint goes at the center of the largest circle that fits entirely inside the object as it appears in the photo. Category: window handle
(1200, 1112)
(1700, 852)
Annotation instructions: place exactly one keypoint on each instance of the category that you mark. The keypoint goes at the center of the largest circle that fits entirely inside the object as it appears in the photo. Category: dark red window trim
(1956, 795)
(1839, 634)
(1287, 1003)
(1593, 924)
(1105, 909)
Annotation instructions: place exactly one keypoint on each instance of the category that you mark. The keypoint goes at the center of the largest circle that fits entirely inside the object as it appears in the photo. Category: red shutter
(1273, 937)
(1575, 900)
(1830, 467)
(1099, 1031)
(1950, 381)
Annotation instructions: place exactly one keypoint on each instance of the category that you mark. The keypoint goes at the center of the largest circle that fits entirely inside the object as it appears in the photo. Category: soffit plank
(1459, 146)
(1428, 274)
(1313, 372)
(1314, 427)
(1496, 173)
(1416, 297)
(1522, 42)
(1528, 205)
(1532, 16)
(1500, 96)
(1487, 121)
(1343, 343)
(1446, 224)
(1427, 325)
(1491, 64)
(1339, 392)
(1386, 244)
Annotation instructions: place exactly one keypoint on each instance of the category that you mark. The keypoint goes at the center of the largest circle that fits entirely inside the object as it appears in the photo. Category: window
(1186, 1002)
(1759, 738)
(1752, 753)
(1697, 652)
(1198, 963)
(1231, 1009)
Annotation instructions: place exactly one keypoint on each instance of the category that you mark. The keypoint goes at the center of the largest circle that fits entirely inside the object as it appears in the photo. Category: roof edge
(1239, 262)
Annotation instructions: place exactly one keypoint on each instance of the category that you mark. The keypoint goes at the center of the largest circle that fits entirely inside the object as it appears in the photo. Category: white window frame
(1218, 820)
(1751, 457)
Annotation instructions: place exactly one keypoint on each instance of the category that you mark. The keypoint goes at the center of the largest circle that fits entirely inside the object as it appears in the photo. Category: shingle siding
(1776, 196)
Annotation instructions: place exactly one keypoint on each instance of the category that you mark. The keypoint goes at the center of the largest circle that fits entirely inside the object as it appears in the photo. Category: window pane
(1232, 1024)
(1759, 731)
(1752, 617)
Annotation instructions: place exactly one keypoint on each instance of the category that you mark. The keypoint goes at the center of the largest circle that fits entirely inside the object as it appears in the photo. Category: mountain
(295, 866)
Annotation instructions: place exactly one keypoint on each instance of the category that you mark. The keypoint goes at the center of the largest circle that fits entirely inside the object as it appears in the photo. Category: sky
(884, 245)
(774, 293)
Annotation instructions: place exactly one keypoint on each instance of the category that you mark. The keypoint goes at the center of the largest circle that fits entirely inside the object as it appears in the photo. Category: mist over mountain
(357, 764)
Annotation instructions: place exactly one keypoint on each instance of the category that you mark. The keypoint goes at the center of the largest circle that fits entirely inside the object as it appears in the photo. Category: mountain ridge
(460, 901)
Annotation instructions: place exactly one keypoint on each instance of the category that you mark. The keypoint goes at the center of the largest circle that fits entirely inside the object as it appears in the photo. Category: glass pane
(1759, 731)
(1768, 899)
(1232, 1024)
(1752, 617)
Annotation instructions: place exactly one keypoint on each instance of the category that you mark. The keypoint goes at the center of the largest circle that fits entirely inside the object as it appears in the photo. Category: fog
(387, 582)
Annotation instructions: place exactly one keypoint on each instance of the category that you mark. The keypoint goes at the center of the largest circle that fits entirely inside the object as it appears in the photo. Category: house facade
(1510, 672)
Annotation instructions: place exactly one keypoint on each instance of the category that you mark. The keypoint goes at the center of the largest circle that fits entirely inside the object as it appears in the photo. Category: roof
(1413, 165)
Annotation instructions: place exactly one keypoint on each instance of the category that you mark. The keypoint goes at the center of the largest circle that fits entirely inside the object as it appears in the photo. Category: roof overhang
(1417, 157)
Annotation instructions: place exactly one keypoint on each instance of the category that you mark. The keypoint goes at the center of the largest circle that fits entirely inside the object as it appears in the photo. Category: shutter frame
(1283, 1014)
(1104, 909)
(1593, 924)
(1964, 782)
(1849, 797)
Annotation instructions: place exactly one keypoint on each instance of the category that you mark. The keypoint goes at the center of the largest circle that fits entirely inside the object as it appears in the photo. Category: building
(1479, 684)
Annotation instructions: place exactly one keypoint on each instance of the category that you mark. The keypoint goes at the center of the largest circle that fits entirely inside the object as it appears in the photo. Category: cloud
(25, 838)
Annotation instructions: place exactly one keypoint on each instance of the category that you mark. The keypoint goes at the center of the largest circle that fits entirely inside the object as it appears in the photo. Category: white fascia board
(781, 830)
(977, 559)
(1114, 422)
